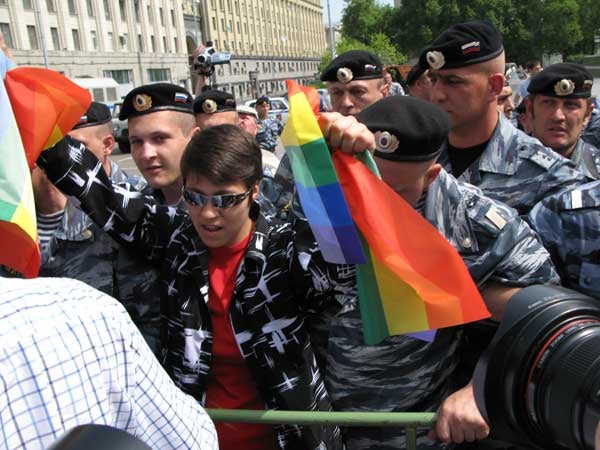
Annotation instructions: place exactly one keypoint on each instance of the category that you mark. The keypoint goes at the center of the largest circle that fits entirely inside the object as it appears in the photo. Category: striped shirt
(70, 355)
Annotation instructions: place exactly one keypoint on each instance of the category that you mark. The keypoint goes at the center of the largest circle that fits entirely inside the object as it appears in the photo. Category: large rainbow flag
(412, 279)
(37, 108)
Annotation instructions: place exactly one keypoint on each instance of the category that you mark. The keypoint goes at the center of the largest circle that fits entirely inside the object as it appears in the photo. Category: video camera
(209, 58)
(538, 382)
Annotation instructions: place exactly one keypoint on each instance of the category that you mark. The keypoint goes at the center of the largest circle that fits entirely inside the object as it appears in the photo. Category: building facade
(133, 41)
(269, 41)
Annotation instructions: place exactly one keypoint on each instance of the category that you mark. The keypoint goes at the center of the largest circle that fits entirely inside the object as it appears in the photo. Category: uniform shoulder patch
(542, 156)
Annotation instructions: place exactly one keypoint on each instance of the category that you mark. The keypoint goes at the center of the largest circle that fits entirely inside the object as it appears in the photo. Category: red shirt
(230, 384)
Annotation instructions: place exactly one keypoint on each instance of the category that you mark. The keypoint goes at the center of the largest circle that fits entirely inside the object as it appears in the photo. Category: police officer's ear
(431, 174)
(195, 130)
(496, 83)
(108, 144)
(384, 88)
(588, 112)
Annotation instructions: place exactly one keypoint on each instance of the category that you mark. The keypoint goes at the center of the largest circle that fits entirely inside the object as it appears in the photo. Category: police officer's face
(464, 93)
(248, 123)
(262, 109)
(505, 103)
(221, 227)
(204, 120)
(557, 122)
(157, 143)
(408, 179)
(351, 98)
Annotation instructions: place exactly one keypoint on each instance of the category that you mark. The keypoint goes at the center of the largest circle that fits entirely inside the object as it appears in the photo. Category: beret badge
(435, 59)
(344, 75)
(564, 87)
(142, 102)
(209, 106)
(385, 142)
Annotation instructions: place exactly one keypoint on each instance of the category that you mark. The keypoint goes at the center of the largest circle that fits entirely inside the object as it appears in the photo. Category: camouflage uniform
(568, 226)
(405, 374)
(587, 159)
(269, 130)
(80, 249)
(517, 169)
(591, 133)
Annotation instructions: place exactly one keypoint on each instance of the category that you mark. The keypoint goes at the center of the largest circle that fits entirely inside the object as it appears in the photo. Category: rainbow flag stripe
(412, 279)
(319, 190)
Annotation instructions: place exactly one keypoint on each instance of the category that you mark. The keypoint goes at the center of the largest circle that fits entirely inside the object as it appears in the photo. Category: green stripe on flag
(316, 154)
(7, 210)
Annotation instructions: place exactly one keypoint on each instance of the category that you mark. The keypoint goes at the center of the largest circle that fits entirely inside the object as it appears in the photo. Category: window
(107, 10)
(71, 7)
(176, 45)
(124, 42)
(50, 6)
(76, 42)
(55, 38)
(33, 38)
(5, 28)
(149, 11)
(3, 2)
(90, 7)
(153, 43)
(122, 10)
(98, 94)
(162, 17)
(214, 23)
(94, 37)
(159, 75)
(111, 41)
(238, 27)
(173, 17)
(111, 94)
(120, 76)
(140, 43)
(136, 10)
(27, 4)
(165, 48)
(222, 24)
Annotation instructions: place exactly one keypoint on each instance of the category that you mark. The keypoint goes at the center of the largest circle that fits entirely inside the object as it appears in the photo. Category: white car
(279, 107)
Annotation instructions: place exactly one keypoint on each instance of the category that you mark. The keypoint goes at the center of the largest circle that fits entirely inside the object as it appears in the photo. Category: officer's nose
(558, 114)
(143, 152)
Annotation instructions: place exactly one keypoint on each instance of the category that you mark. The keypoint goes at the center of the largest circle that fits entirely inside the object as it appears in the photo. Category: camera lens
(539, 381)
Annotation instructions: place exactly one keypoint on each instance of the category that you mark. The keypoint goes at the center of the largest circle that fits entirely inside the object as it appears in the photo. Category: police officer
(559, 111)
(354, 81)
(75, 247)
(466, 66)
(161, 123)
(269, 128)
(500, 250)
(214, 107)
(419, 84)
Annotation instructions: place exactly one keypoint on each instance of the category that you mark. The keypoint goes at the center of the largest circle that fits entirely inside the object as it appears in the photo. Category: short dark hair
(223, 154)
(532, 63)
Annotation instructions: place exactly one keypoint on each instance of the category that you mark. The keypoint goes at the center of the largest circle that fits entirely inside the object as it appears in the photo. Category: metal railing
(410, 421)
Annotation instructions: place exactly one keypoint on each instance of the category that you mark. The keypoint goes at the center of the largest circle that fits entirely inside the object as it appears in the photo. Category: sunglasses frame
(200, 200)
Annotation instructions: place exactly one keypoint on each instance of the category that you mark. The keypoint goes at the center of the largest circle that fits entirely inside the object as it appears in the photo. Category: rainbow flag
(412, 279)
(38, 124)
(319, 190)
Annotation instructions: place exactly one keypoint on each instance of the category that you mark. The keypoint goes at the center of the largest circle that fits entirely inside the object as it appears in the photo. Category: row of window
(269, 67)
(243, 90)
(72, 8)
(122, 44)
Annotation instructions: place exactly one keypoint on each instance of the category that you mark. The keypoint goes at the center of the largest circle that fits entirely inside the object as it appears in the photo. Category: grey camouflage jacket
(405, 374)
(569, 225)
(269, 130)
(587, 159)
(282, 276)
(517, 169)
(80, 249)
(591, 133)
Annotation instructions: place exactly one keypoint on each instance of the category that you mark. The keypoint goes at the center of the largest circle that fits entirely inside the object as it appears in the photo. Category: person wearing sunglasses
(237, 283)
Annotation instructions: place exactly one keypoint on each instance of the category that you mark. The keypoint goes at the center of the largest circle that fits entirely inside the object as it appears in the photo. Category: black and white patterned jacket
(282, 276)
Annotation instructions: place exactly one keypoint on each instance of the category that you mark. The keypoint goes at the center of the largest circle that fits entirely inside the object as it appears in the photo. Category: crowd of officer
(281, 328)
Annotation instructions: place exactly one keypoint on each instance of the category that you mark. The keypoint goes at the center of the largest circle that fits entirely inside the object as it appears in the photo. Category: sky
(338, 5)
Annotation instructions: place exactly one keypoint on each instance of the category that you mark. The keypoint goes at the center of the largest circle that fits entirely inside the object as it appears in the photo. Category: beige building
(269, 41)
(132, 41)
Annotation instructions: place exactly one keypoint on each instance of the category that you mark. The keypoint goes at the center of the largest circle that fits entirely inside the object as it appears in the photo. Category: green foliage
(530, 28)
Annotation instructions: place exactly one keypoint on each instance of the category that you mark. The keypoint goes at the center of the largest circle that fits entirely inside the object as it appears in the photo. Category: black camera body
(538, 383)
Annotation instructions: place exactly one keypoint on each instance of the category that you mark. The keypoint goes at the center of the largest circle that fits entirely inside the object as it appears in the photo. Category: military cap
(414, 74)
(562, 80)
(155, 97)
(461, 45)
(213, 101)
(262, 99)
(353, 65)
(248, 110)
(97, 114)
(406, 128)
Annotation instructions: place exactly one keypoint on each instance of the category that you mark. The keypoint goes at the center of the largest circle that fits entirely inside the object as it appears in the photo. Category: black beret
(463, 44)
(406, 128)
(562, 80)
(97, 114)
(353, 65)
(520, 109)
(155, 97)
(262, 99)
(414, 74)
(212, 101)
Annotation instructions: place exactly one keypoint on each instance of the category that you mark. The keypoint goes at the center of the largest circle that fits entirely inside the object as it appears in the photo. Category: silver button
(467, 243)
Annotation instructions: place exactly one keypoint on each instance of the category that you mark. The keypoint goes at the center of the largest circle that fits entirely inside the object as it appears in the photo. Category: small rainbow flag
(412, 279)
(319, 190)
(41, 127)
